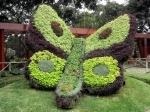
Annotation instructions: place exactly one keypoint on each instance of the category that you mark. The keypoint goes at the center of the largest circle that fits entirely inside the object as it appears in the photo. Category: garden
(76, 74)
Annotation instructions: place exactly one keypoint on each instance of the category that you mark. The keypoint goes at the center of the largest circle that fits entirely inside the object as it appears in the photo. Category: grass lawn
(133, 97)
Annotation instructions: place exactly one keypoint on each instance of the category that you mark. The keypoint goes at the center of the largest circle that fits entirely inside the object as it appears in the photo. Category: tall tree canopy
(85, 20)
(100, 16)
(108, 12)
(141, 8)
(19, 10)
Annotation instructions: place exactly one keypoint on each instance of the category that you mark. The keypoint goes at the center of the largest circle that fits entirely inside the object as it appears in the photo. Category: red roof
(22, 28)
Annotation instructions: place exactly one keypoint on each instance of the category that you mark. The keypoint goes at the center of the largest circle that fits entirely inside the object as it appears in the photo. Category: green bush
(15, 71)
(5, 74)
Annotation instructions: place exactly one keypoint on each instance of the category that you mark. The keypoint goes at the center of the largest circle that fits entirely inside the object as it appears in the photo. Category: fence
(9, 65)
(141, 63)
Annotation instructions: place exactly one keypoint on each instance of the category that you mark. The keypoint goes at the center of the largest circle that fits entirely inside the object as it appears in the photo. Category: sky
(104, 3)
(118, 1)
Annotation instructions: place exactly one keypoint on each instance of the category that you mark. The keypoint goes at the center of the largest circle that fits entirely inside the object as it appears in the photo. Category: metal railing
(9, 65)
(140, 62)
(143, 61)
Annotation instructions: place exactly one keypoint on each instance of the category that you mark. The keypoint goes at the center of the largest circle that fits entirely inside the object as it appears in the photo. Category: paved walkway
(135, 69)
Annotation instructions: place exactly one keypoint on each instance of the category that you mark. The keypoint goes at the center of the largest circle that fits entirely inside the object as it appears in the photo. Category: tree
(140, 8)
(19, 10)
(100, 16)
(15, 43)
(108, 12)
(85, 20)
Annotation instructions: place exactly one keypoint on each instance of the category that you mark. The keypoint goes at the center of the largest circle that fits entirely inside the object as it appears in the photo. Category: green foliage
(19, 96)
(70, 85)
(10, 52)
(120, 28)
(85, 20)
(18, 59)
(46, 79)
(15, 71)
(110, 11)
(93, 80)
(46, 66)
(46, 69)
(43, 18)
(140, 8)
(8, 80)
(142, 77)
(70, 82)
(101, 70)
(5, 74)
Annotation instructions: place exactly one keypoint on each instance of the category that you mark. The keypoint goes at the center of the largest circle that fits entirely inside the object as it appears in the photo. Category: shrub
(15, 71)
(5, 74)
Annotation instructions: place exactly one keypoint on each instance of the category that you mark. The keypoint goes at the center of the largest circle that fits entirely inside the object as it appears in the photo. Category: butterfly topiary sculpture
(71, 65)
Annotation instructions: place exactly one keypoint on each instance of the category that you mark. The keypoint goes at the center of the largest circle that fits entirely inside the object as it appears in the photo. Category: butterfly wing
(57, 57)
(118, 41)
(50, 40)
(106, 50)
(49, 32)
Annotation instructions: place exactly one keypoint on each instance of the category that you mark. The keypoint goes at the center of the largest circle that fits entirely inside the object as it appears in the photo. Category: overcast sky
(118, 1)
